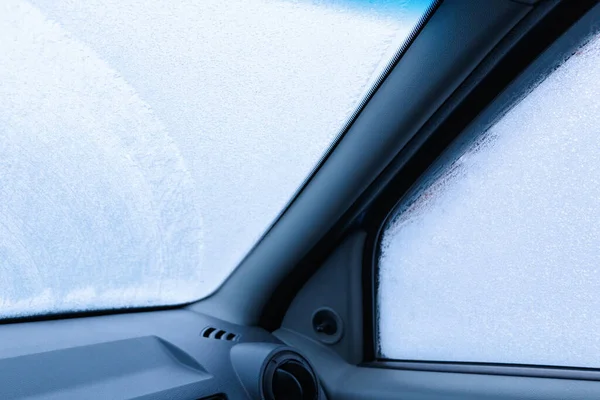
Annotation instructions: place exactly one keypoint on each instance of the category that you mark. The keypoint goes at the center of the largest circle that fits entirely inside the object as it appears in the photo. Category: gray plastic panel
(136, 366)
(150, 355)
(336, 285)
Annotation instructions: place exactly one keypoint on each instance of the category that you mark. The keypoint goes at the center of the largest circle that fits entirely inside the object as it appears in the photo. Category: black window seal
(524, 370)
(553, 32)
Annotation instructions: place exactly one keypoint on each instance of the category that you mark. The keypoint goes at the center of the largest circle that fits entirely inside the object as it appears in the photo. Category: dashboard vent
(289, 376)
(219, 334)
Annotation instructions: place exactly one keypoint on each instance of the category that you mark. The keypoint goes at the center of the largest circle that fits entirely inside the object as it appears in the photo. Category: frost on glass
(146, 145)
(495, 255)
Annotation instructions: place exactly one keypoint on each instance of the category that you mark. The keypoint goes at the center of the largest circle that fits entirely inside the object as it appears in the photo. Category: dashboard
(173, 354)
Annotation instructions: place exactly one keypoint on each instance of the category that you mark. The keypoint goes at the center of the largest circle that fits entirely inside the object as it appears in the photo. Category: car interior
(442, 245)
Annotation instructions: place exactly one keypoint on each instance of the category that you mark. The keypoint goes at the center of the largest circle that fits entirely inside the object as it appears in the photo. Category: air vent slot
(207, 332)
(219, 334)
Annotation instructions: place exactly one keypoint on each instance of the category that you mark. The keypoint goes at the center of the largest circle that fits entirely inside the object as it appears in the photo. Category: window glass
(146, 145)
(493, 256)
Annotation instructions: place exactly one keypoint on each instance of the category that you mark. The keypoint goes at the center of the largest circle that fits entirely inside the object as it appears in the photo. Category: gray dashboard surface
(148, 355)
(345, 381)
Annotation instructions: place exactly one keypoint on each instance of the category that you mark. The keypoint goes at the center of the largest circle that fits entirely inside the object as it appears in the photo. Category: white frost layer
(146, 145)
(96, 203)
(498, 259)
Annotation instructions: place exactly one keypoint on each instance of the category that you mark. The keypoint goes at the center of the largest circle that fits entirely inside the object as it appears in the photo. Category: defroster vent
(219, 334)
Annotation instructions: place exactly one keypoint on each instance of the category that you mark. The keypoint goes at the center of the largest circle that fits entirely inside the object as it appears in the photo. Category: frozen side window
(494, 255)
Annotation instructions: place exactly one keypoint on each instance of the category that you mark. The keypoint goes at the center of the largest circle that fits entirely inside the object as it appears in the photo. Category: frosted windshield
(493, 256)
(145, 146)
